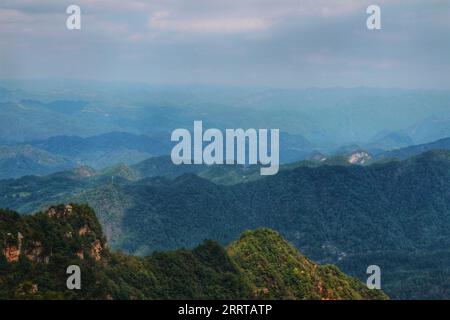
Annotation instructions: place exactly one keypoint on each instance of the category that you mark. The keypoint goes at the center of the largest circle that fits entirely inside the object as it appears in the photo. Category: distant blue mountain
(390, 140)
(47, 156)
(17, 161)
(73, 146)
(106, 149)
(109, 149)
(326, 118)
(408, 152)
(3, 93)
(430, 129)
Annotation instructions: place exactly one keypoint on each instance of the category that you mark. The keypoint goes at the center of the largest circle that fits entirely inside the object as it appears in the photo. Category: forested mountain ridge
(276, 269)
(394, 214)
(37, 249)
(308, 205)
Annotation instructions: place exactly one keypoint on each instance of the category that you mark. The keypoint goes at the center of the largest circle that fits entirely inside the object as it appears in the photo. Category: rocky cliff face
(26, 237)
(359, 157)
(12, 252)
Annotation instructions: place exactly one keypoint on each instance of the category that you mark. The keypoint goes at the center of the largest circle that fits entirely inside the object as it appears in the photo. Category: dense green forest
(394, 214)
(37, 249)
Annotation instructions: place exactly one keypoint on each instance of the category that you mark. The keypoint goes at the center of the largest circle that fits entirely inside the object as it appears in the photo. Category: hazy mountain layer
(324, 117)
(407, 152)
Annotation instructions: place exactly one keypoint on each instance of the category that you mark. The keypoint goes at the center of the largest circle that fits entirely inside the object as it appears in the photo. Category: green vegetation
(37, 249)
(277, 270)
(350, 216)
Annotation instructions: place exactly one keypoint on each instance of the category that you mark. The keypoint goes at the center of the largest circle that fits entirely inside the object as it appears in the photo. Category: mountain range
(364, 180)
(393, 214)
(41, 157)
(36, 251)
(327, 117)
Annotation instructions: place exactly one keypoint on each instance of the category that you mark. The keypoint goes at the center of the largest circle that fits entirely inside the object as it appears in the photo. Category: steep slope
(277, 270)
(37, 249)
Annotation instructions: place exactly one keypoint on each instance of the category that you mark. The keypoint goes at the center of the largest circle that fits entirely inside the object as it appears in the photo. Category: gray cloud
(249, 42)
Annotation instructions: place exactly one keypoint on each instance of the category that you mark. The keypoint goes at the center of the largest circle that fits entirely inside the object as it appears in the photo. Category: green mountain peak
(277, 270)
(37, 249)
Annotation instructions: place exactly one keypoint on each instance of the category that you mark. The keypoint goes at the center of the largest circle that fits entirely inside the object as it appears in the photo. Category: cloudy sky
(278, 43)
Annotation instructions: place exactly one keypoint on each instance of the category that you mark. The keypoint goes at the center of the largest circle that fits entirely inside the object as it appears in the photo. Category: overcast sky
(278, 43)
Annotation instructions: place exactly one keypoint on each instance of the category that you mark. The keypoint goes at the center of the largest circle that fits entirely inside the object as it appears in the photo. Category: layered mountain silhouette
(414, 150)
(46, 156)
